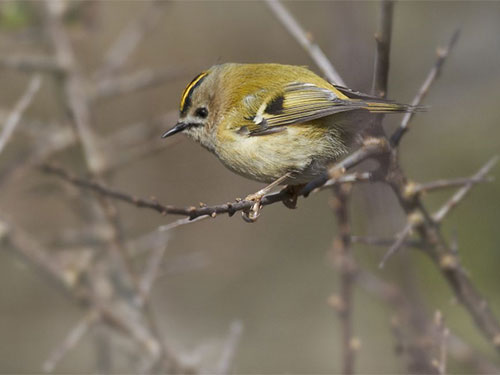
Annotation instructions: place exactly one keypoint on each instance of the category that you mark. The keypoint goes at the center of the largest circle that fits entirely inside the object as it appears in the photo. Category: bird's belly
(269, 157)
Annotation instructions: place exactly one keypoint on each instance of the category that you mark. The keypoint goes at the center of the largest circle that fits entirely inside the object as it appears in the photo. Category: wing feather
(299, 103)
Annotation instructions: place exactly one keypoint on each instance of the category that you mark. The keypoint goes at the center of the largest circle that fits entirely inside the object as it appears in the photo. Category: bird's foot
(252, 214)
(293, 193)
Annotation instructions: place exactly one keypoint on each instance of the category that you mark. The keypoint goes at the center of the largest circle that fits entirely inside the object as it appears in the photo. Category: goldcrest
(266, 121)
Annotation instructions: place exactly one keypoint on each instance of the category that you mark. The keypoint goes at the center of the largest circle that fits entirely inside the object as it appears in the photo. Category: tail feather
(388, 107)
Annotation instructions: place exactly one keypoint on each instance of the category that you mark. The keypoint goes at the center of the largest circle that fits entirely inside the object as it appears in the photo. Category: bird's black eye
(201, 112)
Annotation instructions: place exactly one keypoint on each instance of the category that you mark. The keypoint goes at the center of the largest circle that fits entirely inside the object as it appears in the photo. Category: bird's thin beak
(180, 126)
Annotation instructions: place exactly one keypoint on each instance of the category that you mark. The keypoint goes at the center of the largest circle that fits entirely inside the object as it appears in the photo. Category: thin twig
(151, 270)
(442, 336)
(446, 184)
(13, 119)
(462, 193)
(385, 242)
(401, 239)
(442, 54)
(305, 40)
(71, 340)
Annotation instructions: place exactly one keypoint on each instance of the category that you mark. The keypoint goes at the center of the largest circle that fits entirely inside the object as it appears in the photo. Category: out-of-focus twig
(442, 54)
(13, 119)
(305, 40)
(230, 348)
(71, 340)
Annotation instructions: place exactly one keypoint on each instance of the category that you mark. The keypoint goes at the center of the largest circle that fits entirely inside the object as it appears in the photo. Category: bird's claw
(252, 214)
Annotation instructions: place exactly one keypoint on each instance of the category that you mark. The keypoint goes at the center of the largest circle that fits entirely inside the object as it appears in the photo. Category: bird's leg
(252, 214)
(293, 193)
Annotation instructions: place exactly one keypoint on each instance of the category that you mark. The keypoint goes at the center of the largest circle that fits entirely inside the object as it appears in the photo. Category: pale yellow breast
(304, 149)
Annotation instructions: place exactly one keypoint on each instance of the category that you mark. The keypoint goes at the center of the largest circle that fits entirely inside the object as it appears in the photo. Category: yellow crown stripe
(189, 88)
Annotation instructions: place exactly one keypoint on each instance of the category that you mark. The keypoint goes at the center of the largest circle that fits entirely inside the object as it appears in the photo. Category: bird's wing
(298, 103)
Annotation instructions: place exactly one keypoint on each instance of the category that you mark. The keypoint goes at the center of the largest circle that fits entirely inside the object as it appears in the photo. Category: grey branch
(13, 119)
(305, 41)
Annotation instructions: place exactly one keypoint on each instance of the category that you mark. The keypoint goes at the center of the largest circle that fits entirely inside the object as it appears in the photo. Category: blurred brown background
(273, 276)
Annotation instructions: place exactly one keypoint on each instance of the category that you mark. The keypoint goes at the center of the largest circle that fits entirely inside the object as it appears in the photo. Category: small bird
(273, 123)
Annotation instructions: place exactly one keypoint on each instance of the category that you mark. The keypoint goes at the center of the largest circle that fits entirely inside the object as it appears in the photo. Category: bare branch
(462, 193)
(305, 40)
(13, 119)
(442, 54)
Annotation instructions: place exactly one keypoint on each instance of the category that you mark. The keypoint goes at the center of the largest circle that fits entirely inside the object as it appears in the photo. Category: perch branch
(192, 212)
